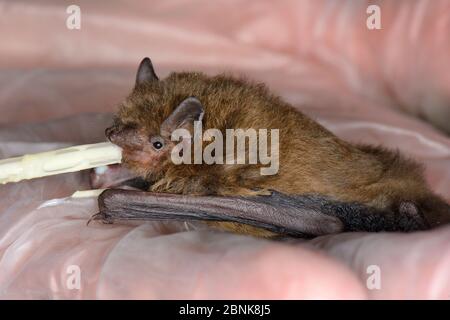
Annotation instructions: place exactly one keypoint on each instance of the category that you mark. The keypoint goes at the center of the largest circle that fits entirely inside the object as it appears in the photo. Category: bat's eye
(157, 142)
(157, 145)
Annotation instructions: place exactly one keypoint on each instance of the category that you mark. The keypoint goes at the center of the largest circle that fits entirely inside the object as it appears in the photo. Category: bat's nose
(109, 132)
(112, 133)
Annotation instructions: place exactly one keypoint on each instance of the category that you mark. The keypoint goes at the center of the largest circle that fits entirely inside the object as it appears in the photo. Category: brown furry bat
(313, 161)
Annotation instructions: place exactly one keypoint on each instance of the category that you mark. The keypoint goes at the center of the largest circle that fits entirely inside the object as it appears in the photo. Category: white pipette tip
(59, 161)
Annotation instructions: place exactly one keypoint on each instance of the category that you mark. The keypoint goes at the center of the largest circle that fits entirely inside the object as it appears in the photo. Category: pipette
(59, 161)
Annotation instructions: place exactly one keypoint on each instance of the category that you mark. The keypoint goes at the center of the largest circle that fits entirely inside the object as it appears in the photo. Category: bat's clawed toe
(100, 216)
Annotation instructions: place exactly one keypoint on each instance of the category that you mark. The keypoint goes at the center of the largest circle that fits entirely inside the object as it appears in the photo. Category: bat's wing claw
(100, 216)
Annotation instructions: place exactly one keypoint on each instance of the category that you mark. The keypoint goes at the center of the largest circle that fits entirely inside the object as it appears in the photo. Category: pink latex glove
(40, 241)
(149, 260)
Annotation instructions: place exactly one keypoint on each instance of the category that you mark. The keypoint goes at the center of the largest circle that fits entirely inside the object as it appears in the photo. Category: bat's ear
(145, 72)
(184, 116)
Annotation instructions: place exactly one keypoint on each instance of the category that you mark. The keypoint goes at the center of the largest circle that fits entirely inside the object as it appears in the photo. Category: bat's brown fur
(312, 159)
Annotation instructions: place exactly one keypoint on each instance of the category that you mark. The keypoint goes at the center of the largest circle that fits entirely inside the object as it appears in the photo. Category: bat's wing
(300, 216)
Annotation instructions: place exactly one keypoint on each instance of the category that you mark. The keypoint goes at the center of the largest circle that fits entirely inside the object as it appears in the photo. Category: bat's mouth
(116, 176)
(140, 161)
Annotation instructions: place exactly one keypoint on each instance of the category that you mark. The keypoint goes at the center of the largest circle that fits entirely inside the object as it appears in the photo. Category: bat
(307, 182)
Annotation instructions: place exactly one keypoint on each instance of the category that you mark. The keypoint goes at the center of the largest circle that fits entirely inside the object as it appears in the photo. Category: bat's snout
(124, 136)
(109, 132)
(113, 134)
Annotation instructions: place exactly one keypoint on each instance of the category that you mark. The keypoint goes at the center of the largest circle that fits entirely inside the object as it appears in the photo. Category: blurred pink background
(388, 86)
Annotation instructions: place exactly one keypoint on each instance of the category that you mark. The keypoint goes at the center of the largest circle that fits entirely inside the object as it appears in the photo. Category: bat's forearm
(300, 216)
(274, 213)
